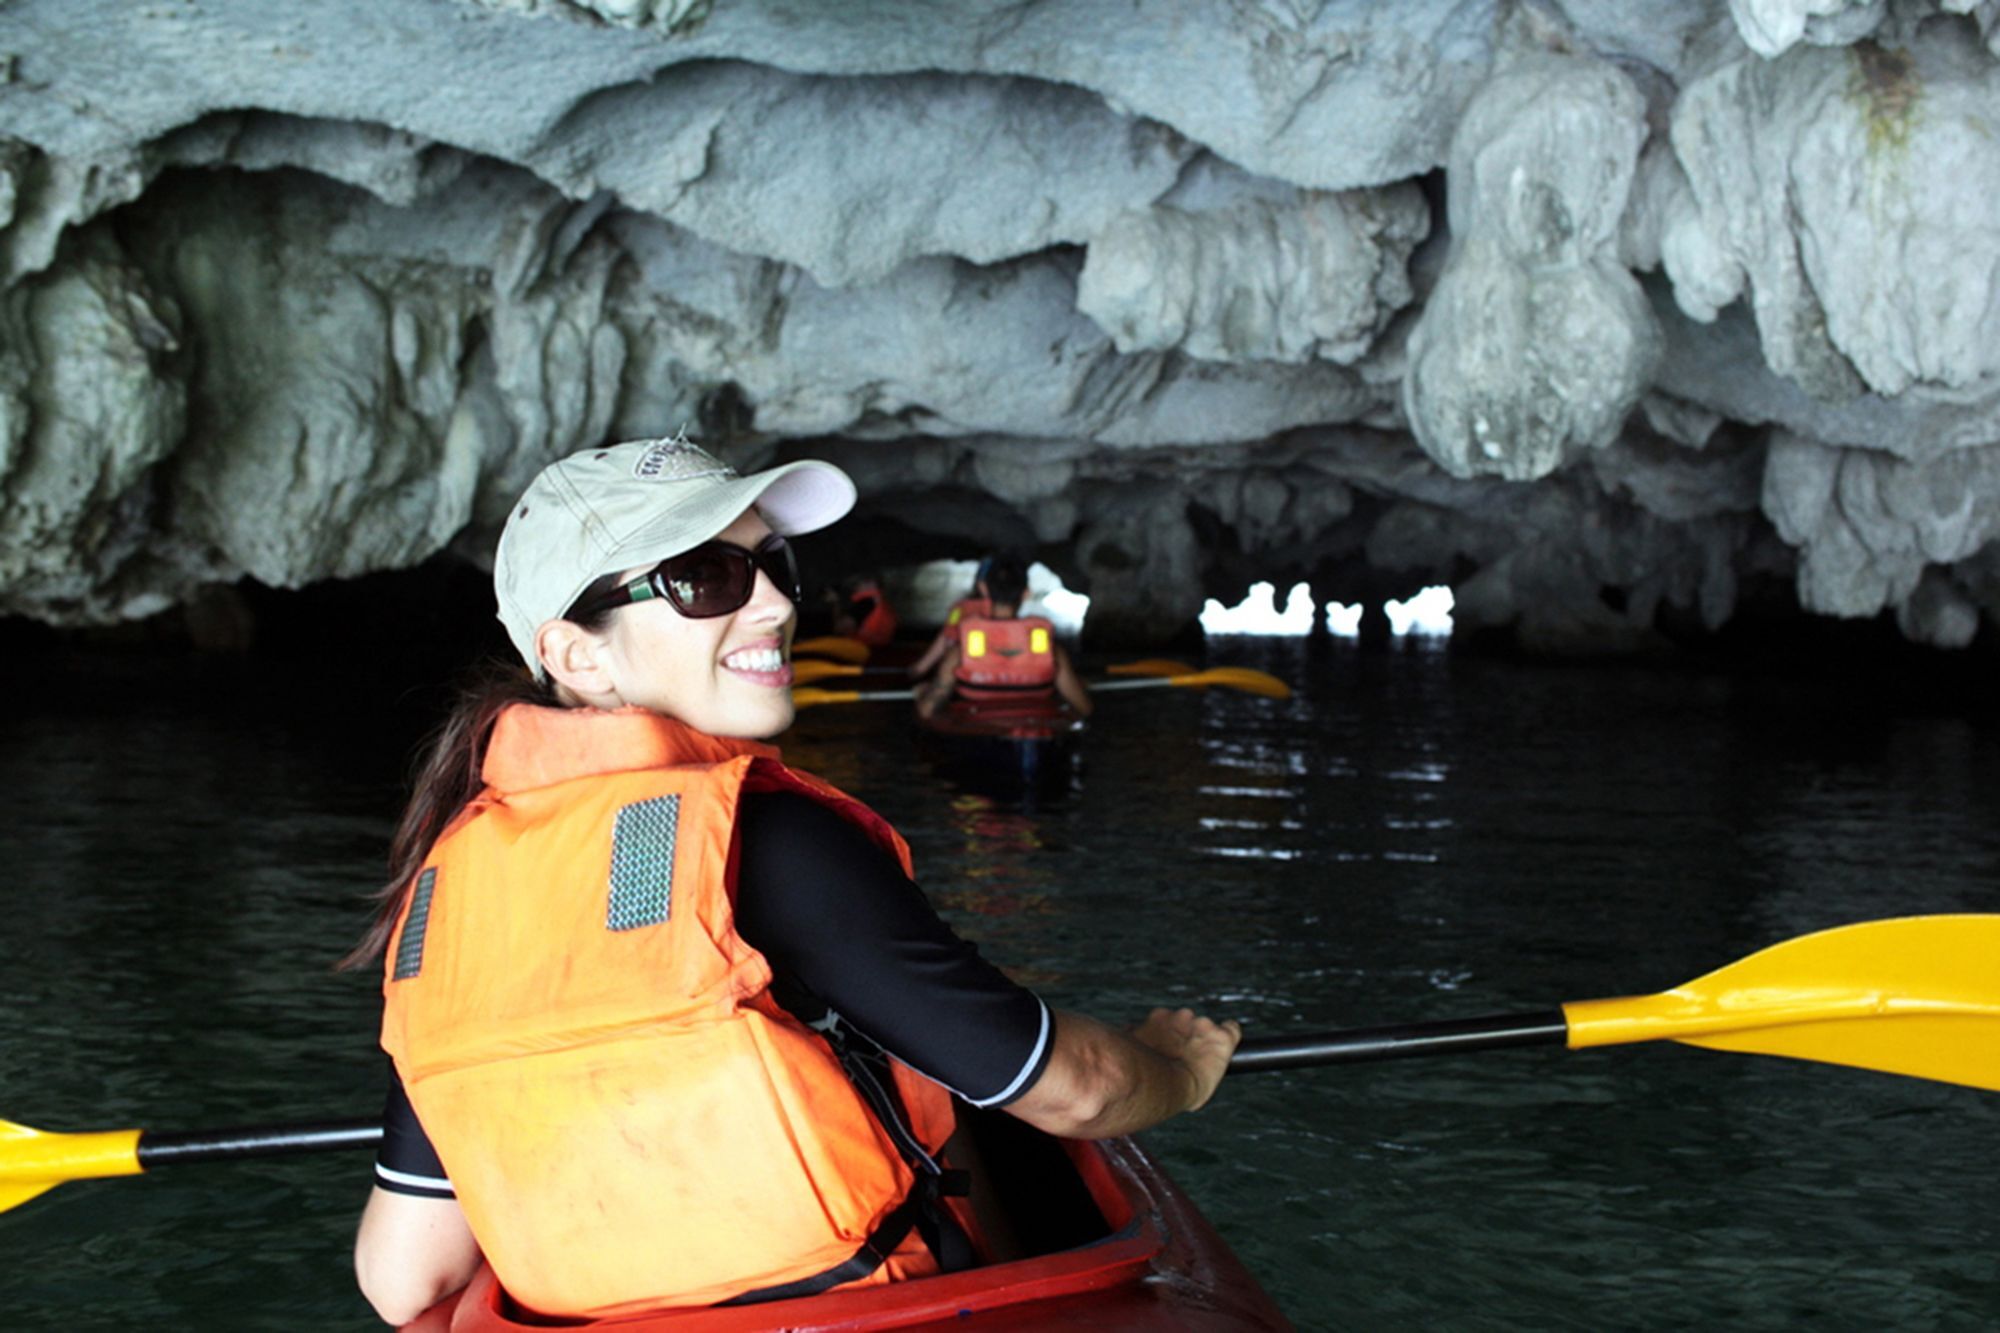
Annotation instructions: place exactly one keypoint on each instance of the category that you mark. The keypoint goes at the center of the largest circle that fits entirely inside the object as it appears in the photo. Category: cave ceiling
(1598, 313)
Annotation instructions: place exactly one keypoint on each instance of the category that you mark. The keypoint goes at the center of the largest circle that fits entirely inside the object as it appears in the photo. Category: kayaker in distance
(999, 655)
(863, 612)
(670, 1022)
(974, 603)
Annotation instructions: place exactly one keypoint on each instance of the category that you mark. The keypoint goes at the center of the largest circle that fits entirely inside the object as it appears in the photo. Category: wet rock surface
(1607, 317)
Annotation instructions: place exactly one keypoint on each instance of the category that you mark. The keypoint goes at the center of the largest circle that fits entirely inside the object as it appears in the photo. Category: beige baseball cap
(625, 505)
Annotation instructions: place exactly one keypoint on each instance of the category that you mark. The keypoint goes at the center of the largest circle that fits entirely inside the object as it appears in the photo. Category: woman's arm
(411, 1253)
(861, 937)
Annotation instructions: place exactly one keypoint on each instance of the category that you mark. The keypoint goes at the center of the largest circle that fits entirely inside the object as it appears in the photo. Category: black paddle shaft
(1347, 1046)
(212, 1145)
(1448, 1037)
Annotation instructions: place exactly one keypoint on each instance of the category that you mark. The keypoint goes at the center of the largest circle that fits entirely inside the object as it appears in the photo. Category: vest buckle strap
(873, 1253)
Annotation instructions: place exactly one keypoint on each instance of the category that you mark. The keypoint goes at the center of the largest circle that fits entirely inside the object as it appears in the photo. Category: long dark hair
(447, 774)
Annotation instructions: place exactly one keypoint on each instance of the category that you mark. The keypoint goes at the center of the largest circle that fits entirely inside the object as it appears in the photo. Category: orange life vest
(628, 1118)
(1005, 658)
(964, 607)
(878, 627)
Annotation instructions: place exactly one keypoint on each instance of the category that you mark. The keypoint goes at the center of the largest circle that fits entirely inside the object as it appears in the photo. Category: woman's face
(726, 675)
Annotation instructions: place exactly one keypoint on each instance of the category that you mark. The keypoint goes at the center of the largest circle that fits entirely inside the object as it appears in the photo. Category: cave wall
(1594, 311)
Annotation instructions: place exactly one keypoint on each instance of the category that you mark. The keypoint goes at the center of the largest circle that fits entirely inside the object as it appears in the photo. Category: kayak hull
(1004, 748)
(1156, 1264)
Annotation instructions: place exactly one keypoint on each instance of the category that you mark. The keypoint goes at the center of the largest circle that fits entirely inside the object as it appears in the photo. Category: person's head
(650, 574)
(1005, 581)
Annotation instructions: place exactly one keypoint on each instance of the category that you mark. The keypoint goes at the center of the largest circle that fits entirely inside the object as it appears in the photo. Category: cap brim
(795, 498)
(803, 497)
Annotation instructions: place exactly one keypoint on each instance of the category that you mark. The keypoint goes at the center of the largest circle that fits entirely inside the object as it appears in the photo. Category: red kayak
(1115, 1245)
(1004, 747)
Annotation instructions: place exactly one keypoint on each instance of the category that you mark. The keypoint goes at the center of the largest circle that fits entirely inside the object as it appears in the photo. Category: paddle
(33, 1160)
(807, 670)
(1916, 995)
(805, 696)
(837, 647)
(1235, 678)
(1151, 666)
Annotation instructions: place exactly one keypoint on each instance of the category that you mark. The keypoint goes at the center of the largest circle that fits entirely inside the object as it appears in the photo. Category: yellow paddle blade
(1235, 678)
(835, 646)
(1151, 666)
(805, 696)
(1915, 995)
(811, 669)
(1239, 678)
(32, 1160)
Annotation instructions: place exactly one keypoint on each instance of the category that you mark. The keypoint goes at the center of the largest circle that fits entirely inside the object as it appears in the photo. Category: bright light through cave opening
(1426, 614)
(929, 590)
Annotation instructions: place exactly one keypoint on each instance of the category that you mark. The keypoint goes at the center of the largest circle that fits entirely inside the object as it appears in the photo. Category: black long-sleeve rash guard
(836, 916)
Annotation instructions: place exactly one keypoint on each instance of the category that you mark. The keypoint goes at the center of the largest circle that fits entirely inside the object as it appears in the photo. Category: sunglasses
(711, 580)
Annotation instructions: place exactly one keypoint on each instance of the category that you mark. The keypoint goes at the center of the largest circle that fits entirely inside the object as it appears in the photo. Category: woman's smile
(760, 664)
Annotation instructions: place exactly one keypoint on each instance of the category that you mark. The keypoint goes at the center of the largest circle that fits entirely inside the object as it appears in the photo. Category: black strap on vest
(872, 1254)
(867, 1067)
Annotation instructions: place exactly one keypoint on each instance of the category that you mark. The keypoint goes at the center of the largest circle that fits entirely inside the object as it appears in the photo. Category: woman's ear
(577, 659)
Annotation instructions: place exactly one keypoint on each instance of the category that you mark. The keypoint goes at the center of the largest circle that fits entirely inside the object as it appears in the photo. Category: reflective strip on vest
(410, 943)
(642, 864)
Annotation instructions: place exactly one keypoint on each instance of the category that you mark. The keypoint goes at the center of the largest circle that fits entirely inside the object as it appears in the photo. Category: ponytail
(447, 778)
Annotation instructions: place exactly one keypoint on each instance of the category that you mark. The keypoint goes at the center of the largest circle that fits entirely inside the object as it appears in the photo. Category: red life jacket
(980, 607)
(878, 627)
(628, 1117)
(1009, 658)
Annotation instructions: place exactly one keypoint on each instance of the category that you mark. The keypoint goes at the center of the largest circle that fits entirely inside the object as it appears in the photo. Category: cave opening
(1425, 614)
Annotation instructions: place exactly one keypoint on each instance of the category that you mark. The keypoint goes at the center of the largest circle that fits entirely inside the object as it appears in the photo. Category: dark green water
(1412, 838)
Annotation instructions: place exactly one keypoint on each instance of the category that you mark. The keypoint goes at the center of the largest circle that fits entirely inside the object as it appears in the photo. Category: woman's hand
(1200, 1045)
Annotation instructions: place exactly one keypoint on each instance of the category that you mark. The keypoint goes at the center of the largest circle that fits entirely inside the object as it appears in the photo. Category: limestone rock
(849, 179)
(1257, 279)
(85, 419)
(1772, 27)
(1842, 191)
(1157, 291)
(1868, 526)
(1536, 340)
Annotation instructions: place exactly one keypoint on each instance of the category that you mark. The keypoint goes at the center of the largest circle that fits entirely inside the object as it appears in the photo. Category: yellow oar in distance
(806, 696)
(1151, 666)
(835, 646)
(808, 669)
(1234, 678)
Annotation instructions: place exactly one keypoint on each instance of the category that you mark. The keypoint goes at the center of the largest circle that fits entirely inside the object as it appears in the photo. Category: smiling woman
(601, 943)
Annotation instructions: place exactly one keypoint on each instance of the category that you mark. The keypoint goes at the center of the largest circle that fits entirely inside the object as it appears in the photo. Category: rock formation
(1599, 313)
